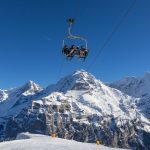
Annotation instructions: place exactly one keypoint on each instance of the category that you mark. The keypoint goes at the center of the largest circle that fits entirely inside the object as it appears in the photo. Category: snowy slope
(41, 142)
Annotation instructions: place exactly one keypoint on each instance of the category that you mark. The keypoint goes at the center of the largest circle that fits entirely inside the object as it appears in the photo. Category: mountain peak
(80, 71)
(78, 80)
(31, 88)
(30, 83)
(83, 74)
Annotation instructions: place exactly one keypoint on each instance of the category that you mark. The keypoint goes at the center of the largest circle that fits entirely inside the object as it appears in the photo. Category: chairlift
(79, 51)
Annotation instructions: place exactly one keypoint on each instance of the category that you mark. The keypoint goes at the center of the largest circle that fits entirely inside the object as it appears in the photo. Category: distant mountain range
(82, 108)
(138, 87)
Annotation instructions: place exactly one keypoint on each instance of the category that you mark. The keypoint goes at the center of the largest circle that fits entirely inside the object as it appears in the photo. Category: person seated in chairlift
(72, 50)
(78, 50)
(83, 52)
(86, 52)
(66, 50)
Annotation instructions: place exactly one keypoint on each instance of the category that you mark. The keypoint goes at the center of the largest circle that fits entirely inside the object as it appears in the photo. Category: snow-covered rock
(3, 95)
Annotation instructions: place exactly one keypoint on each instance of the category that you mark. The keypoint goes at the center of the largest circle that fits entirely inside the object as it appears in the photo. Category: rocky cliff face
(78, 107)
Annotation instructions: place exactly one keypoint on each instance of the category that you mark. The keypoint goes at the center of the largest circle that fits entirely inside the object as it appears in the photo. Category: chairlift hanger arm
(70, 35)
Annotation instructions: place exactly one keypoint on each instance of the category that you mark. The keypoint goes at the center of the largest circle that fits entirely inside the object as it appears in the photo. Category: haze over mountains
(82, 108)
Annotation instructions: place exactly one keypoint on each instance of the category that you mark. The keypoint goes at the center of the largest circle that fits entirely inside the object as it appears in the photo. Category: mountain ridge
(134, 86)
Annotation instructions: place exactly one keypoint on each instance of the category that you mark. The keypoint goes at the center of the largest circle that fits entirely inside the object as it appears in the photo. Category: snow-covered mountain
(138, 87)
(16, 99)
(78, 107)
(134, 86)
(89, 95)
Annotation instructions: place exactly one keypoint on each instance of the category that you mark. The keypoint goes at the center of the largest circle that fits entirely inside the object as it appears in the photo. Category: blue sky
(31, 34)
